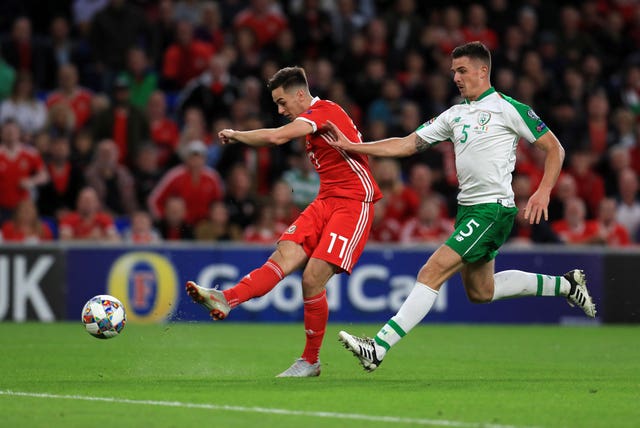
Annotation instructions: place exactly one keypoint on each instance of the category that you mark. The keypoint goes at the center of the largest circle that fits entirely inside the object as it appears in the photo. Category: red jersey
(197, 194)
(165, 134)
(616, 235)
(342, 174)
(93, 228)
(10, 232)
(415, 231)
(15, 166)
(79, 101)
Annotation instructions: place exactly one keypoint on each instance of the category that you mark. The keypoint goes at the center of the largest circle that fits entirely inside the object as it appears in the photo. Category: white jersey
(485, 133)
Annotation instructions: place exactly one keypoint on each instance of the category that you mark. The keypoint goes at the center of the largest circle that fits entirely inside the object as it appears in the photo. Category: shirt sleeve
(435, 130)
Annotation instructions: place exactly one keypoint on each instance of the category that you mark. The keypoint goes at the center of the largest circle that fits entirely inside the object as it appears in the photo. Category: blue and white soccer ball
(104, 316)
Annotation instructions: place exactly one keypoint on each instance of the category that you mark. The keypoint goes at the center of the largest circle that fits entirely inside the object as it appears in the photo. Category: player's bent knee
(480, 296)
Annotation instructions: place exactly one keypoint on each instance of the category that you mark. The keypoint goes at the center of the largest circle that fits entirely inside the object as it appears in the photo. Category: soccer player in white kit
(485, 130)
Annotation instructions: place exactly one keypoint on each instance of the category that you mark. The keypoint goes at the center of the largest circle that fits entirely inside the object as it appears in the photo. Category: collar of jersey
(485, 94)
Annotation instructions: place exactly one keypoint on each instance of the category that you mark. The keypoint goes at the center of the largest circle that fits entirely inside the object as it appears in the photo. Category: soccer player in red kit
(329, 235)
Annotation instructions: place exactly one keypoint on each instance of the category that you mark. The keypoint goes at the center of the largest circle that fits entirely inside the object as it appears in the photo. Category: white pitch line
(267, 410)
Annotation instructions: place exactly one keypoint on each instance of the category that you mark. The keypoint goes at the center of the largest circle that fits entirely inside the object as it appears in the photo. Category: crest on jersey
(483, 118)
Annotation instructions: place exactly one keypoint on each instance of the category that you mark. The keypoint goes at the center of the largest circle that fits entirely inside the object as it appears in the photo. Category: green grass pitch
(222, 375)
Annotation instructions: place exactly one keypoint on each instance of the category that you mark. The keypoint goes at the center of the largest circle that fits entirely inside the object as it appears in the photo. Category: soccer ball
(103, 316)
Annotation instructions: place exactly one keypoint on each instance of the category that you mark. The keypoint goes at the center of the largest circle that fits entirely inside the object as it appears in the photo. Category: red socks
(257, 283)
(316, 315)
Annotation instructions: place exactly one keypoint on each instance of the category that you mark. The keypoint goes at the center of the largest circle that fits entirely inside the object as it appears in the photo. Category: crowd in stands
(110, 109)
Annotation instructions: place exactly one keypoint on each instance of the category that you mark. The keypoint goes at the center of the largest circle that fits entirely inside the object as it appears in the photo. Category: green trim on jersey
(485, 94)
(537, 127)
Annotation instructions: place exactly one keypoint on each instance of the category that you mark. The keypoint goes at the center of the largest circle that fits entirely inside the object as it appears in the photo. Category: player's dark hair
(473, 50)
(288, 77)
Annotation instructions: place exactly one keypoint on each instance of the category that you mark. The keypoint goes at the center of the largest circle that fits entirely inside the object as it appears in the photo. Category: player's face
(471, 76)
(288, 102)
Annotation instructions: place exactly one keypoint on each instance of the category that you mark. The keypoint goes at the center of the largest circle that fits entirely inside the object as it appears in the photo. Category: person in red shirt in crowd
(264, 18)
(186, 58)
(88, 222)
(141, 230)
(267, 229)
(384, 229)
(574, 228)
(477, 29)
(21, 169)
(285, 210)
(195, 182)
(163, 130)
(123, 123)
(69, 92)
(611, 232)
(590, 184)
(25, 225)
(402, 200)
(59, 195)
(172, 225)
(330, 234)
(428, 226)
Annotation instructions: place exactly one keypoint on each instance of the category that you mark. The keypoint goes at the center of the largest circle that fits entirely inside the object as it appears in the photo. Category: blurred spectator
(610, 232)
(65, 49)
(123, 123)
(616, 160)
(59, 195)
(70, 93)
(26, 55)
(623, 132)
(21, 169)
(113, 182)
(266, 229)
(573, 42)
(404, 25)
(566, 188)
(114, 30)
(25, 226)
(599, 129)
(209, 27)
(346, 21)
(84, 11)
(376, 34)
(88, 221)
(213, 92)
(172, 225)
(141, 78)
(412, 77)
(7, 78)
(23, 106)
(193, 181)
(216, 226)
(451, 34)
(146, 173)
(162, 30)
(590, 185)
(187, 10)
(402, 201)
(628, 210)
(388, 107)
(284, 210)
(524, 233)
(428, 225)
(141, 230)
(630, 91)
(194, 127)
(477, 29)
(509, 55)
(248, 56)
(164, 130)
(239, 198)
(302, 178)
(60, 121)
(311, 26)
(264, 18)
(82, 150)
(574, 228)
(383, 228)
(186, 58)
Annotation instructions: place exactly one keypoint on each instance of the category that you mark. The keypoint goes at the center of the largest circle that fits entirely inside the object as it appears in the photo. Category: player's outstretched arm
(266, 136)
(389, 147)
(537, 206)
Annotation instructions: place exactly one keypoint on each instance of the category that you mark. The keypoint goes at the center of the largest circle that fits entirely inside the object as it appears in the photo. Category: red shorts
(334, 230)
